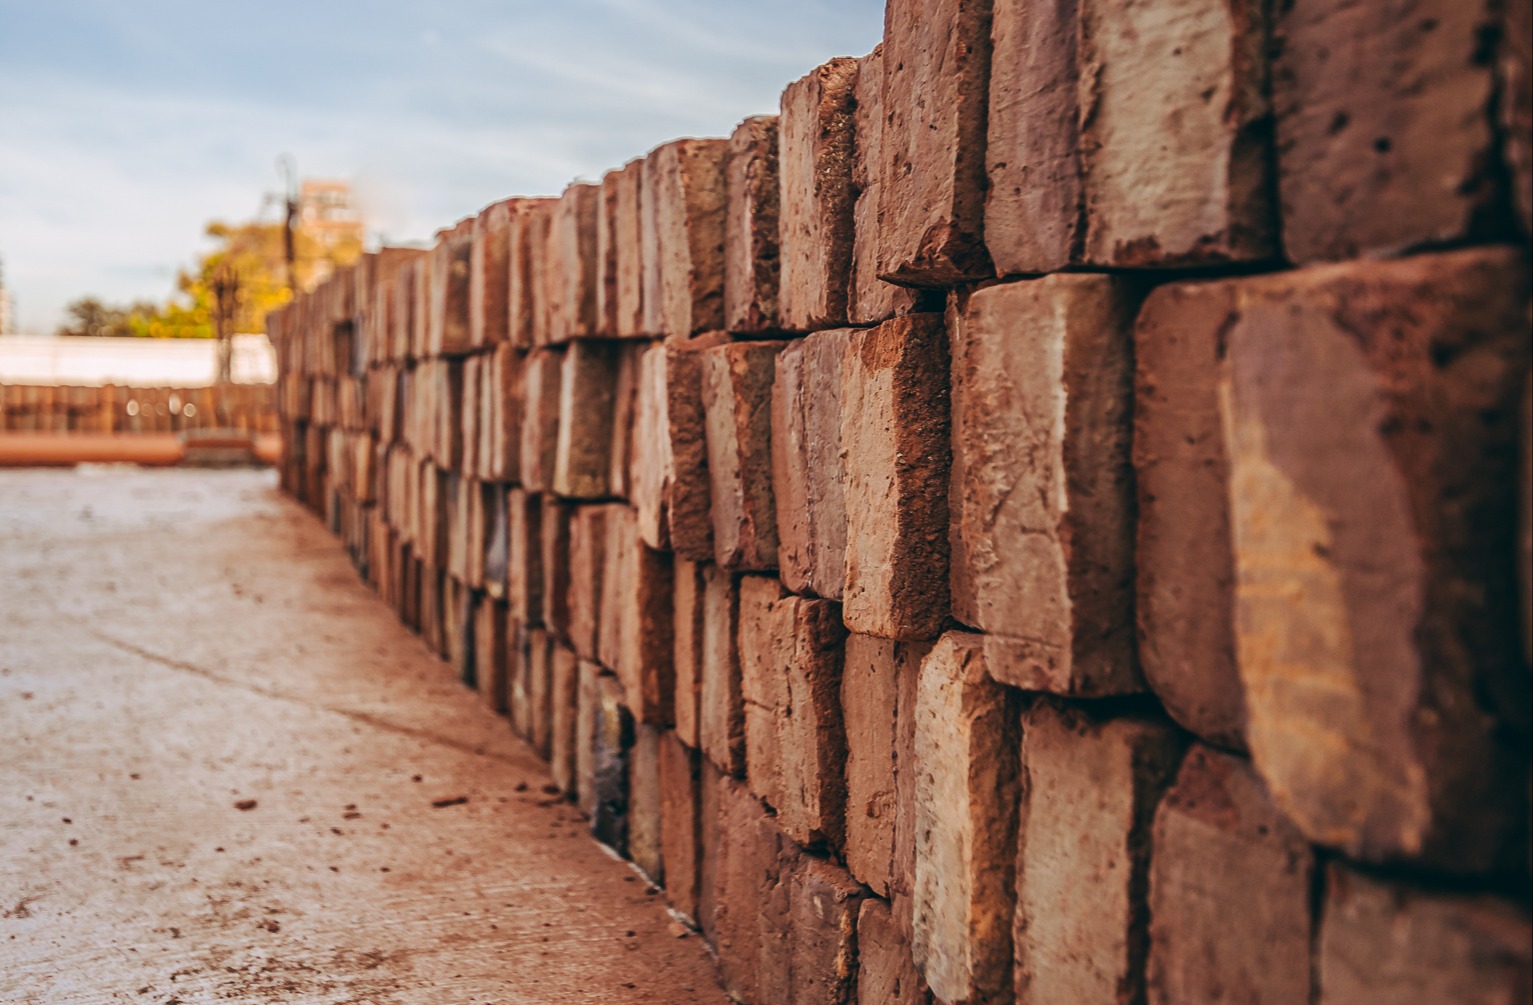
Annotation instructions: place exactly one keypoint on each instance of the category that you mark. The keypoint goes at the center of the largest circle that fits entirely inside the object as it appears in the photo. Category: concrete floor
(221, 762)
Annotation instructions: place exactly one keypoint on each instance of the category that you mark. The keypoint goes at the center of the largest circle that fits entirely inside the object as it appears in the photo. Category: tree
(90, 317)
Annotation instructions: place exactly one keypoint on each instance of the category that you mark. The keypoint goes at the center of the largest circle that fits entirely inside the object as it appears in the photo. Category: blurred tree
(88, 316)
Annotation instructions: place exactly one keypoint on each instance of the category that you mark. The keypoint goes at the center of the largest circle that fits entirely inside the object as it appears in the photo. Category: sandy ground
(222, 763)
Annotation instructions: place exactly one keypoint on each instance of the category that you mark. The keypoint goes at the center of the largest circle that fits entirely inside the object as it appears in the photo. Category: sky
(127, 125)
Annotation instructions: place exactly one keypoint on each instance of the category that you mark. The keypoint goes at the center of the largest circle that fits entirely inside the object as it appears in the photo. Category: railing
(114, 409)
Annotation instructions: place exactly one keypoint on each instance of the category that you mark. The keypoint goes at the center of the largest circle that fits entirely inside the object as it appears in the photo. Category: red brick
(751, 909)
(817, 196)
(625, 395)
(612, 748)
(1043, 534)
(524, 561)
(886, 974)
(448, 331)
(458, 602)
(894, 434)
(683, 237)
(1186, 572)
(637, 627)
(1083, 863)
(1372, 428)
(931, 204)
(564, 677)
(587, 714)
(1516, 101)
(966, 796)
(687, 653)
(526, 247)
(751, 259)
(540, 420)
(1382, 134)
(490, 654)
(497, 535)
(587, 396)
(555, 564)
(489, 274)
(825, 355)
(680, 835)
(420, 309)
(878, 674)
(721, 716)
(668, 478)
(500, 459)
(790, 470)
(737, 394)
(571, 271)
(1230, 886)
(1386, 944)
(795, 743)
(527, 687)
(607, 223)
(869, 299)
(644, 804)
(620, 300)
(587, 564)
(711, 838)
(825, 905)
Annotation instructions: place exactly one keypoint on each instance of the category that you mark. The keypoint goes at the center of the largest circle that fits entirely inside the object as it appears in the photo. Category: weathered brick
(1185, 569)
(687, 647)
(668, 479)
(869, 299)
(817, 196)
(711, 840)
(966, 797)
(620, 299)
(825, 902)
(931, 203)
(795, 743)
(458, 628)
(1382, 133)
(1516, 101)
(526, 247)
(540, 420)
(1043, 536)
(497, 534)
(637, 627)
(571, 271)
(420, 310)
(751, 906)
(886, 974)
(751, 259)
(564, 679)
(607, 225)
(1230, 886)
(611, 742)
(683, 237)
(587, 396)
(737, 393)
(587, 565)
(790, 470)
(680, 836)
(554, 565)
(1384, 943)
(644, 831)
(721, 716)
(825, 355)
(524, 687)
(500, 457)
(894, 414)
(878, 674)
(625, 395)
(587, 713)
(445, 383)
(524, 561)
(490, 653)
(489, 274)
(448, 331)
(1083, 863)
(1370, 412)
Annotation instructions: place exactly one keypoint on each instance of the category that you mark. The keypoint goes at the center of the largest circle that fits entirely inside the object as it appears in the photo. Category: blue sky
(125, 125)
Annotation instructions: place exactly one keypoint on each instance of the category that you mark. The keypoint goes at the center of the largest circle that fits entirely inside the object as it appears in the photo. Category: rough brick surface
(572, 274)
(527, 247)
(1371, 423)
(490, 654)
(721, 716)
(808, 467)
(637, 626)
(790, 469)
(877, 675)
(540, 421)
(687, 647)
(1381, 943)
(1185, 570)
(1043, 532)
(680, 834)
(751, 261)
(1383, 138)
(737, 394)
(564, 678)
(749, 916)
(668, 479)
(587, 397)
(554, 523)
(620, 298)
(625, 400)
(489, 309)
(894, 434)
(683, 238)
(1230, 883)
(931, 205)
(524, 561)
(612, 742)
(966, 795)
(587, 565)
(644, 803)
(886, 974)
(448, 327)
(1089, 796)
(869, 299)
(1516, 99)
(817, 195)
(825, 903)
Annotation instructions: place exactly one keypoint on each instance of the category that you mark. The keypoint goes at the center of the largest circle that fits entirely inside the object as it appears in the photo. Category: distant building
(7, 309)
(327, 215)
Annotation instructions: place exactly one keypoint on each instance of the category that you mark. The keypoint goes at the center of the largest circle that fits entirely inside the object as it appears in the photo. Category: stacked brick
(64, 408)
(1035, 521)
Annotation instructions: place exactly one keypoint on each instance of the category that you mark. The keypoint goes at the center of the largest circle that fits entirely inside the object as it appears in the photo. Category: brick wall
(1036, 519)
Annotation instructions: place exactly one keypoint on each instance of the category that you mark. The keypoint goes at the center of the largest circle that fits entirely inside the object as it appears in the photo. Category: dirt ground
(229, 774)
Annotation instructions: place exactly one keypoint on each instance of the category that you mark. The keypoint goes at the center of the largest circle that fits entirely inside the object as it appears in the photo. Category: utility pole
(226, 289)
(290, 201)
